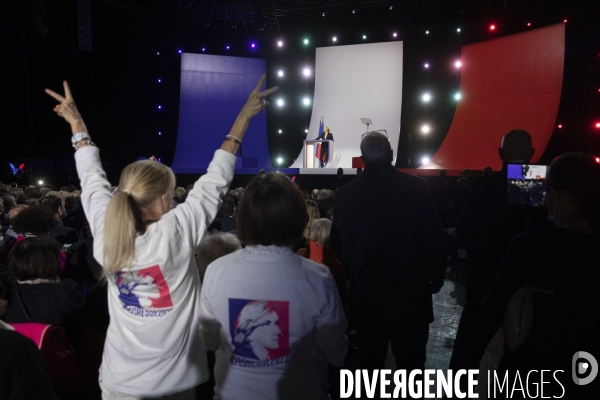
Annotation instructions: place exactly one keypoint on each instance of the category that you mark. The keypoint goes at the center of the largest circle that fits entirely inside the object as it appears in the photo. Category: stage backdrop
(506, 83)
(213, 91)
(351, 82)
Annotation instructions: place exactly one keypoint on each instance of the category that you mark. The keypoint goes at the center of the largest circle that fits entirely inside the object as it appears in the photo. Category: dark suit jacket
(63, 234)
(322, 136)
(325, 145)
(486, 228)
(387, 233)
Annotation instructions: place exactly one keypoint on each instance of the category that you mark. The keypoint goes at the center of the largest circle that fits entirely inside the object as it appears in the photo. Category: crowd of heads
(270, 211)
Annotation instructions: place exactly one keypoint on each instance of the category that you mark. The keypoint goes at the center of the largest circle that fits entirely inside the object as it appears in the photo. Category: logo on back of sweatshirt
(145, 292)
(259, 332)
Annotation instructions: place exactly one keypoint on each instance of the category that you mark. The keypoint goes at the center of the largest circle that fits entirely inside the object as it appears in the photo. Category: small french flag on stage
(321, 130)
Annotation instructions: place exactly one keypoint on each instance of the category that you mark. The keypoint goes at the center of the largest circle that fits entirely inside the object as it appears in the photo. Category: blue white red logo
(259, 331)
(145, 292)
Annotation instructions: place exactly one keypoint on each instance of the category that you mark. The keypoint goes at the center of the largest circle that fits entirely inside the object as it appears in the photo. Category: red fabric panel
(357, 162)
(506, 83)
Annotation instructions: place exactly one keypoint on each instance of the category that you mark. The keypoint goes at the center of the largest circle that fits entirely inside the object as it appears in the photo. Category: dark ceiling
(115, 84)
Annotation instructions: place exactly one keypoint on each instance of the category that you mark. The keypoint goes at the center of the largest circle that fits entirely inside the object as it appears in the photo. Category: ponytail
(123, 221)
(141, 184)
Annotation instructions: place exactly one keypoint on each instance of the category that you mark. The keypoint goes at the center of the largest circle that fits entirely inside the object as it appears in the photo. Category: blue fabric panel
(213, 91)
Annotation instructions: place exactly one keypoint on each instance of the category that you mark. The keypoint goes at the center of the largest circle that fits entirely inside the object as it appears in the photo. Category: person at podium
(324, 153)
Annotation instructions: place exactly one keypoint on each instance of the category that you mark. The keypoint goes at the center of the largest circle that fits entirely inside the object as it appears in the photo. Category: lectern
(311, 158)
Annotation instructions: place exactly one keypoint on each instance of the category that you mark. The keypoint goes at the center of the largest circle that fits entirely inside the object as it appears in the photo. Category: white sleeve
(95, 190)
(331, 326)
(203, 201)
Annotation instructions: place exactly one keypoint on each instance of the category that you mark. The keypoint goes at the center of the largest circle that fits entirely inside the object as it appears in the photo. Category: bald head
(516, 146)
(375, 147)
(13, 212)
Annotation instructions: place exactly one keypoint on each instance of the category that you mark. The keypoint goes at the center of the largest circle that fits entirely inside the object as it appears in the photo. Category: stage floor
(347, 171)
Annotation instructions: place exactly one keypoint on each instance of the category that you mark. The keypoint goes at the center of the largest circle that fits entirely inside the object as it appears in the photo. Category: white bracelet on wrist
(83, 143)
(233, 139)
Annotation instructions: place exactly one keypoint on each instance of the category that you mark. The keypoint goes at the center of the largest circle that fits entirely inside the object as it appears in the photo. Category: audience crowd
(151, 290)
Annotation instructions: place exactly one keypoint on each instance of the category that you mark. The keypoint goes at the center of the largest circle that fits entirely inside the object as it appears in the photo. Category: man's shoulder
(348, 188)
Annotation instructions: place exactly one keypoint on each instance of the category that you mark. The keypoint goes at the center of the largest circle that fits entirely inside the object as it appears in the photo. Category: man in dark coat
(485, 229)
(387, 233)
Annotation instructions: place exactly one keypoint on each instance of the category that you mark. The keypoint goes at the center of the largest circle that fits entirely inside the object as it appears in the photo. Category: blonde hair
(319, 231)
(313, 213)
(141, 184)
(180, 191)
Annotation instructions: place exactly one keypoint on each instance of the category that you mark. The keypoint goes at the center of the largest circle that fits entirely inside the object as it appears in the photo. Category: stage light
(226, 47)
(280, 131)
(160, 107)
(280, 43)
(253, 45)
(354, 11)
(179, 51)
(280, 102)
(394, 34)
(425, 129)
(323, 14)
(364, 36)
(306, 72)
(391, 8)
(306, 101)
(427, 32)
(492, 27)
(426, 97)
(158, 53)
(425, 160)
(559, 126)
(597, 160)
(529, 24)
(280, 73)
(204, 49)
(458, 64)
(426, 65)
(159, 133)
(306, 131)
(305, 41)
(334, 39)
(40, 182)
(457, 96)
(159, 80)
(458, 30)
(598, 125)
(279, 160)
(565, 21)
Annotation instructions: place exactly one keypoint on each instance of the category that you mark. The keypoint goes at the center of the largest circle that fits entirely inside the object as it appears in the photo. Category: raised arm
(204, 200)
(95, 188)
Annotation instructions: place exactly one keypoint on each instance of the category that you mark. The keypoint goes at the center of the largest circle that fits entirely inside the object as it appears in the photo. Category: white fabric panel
(363, 80)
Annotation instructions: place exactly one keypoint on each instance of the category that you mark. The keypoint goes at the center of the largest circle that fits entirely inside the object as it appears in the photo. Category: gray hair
(320, 230)
(375, 146)
(324, 193)
(215, 246)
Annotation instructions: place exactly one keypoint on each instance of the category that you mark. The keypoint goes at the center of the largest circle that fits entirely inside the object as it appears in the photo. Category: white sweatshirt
(152, 344)
(276, 320)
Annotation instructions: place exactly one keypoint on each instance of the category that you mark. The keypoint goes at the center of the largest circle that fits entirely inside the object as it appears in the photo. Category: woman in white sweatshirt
(152, 345)
(274, 318)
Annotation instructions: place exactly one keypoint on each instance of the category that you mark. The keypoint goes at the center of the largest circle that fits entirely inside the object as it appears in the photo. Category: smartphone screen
(525, 185)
